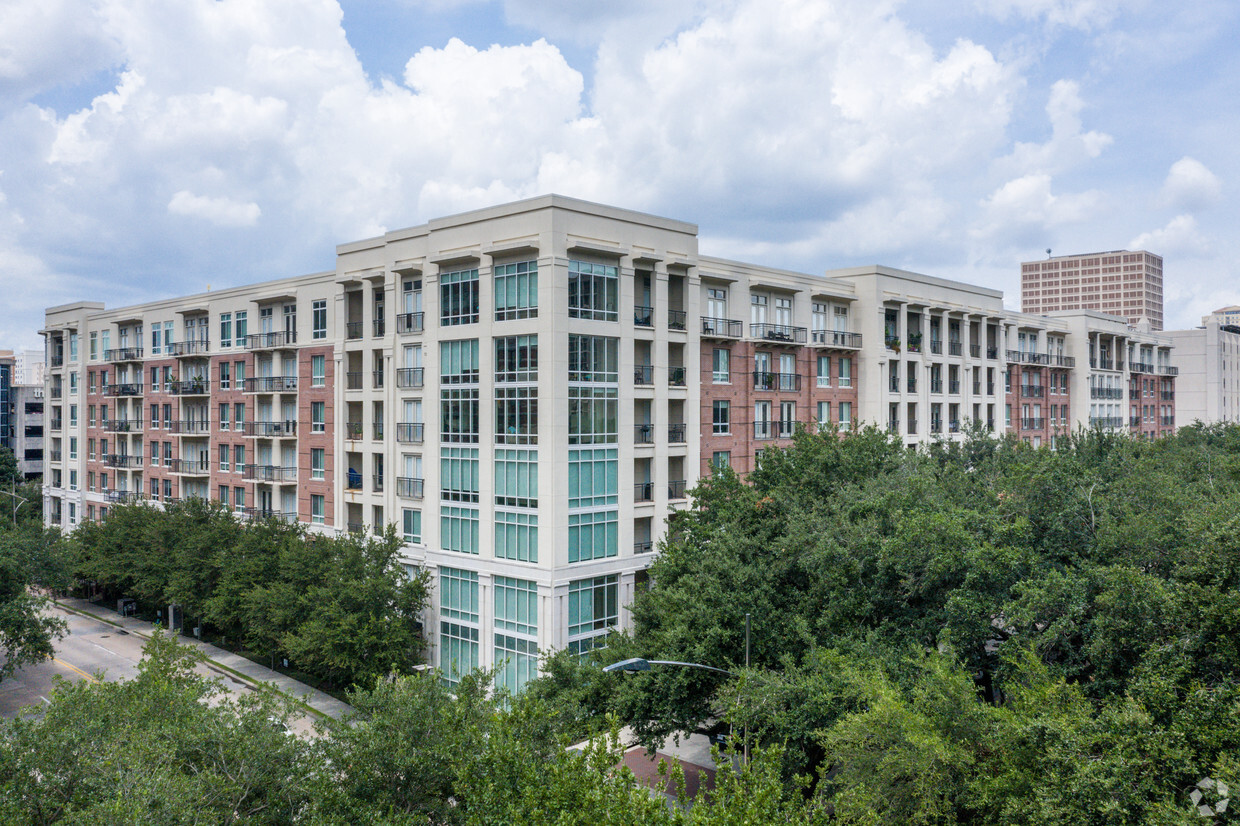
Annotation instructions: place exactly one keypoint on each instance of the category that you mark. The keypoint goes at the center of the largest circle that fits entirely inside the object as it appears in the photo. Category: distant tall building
(1208, 359)
(1229, 316)
(29, 366)
(1121, 283)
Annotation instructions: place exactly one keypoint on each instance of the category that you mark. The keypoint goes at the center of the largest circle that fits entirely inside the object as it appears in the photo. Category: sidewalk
(250, 671)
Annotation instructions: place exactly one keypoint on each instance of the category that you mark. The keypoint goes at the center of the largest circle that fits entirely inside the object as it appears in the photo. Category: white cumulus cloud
(224, 212)
(1190, 186)
(1180, 237)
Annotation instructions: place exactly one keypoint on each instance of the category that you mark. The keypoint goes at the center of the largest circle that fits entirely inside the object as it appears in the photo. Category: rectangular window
(593, 359)
(225, 375)
(516, 661)
(593, 415)
(458, 362)
(318, 319)
(317, 463)
(240, 327)
(516, 612)
(225, 410)
(239, 416)
(168, 417)
(318, 371)
(593, 610)
(459, 415)
(845, 414)
(516, 535)
(156, 339)
(721, 371)
(516, 415)
(94, 346)
(458, 297)
(721, 459)
(458, 651)
(458, 529)
(593, 535)
(458, 474)
(223, 494)
(722, 417)
(516, 290)
(239, 459)
(226, 330)
(224, 458)
(318, 421)
(824, 371)
(845, 368)
(593, 291)
(516, 359)
(824, 414)
(593, 477)
(516, 478)
(316, 508)
(411, 525)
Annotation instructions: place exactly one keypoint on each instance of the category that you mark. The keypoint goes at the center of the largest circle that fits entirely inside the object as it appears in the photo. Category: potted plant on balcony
(893, 343)
(914, 343)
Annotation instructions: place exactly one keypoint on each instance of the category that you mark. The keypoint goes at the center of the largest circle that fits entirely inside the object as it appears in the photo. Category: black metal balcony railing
(200, 427)
(676, 433)
(1134, 421)
(1031, 423)
(990, 388)
(676, 376)
(190, 387)
(124, 389)
(722, 327)
(120, 496)
(912, 426)
(353, 380)
(355, 527)
(676, 489)
(1037, 358)
(936, 425)
(782, 382)
(271, 430)
(353, 430)
(1012, 355)
(892, 341)
(123, 354)
(55, 424)
(377, 378)
(409, 322)
(893, 426)
(975, 350)
(1167, 395)
(270, 473)
(190, 467)
(1140, 367)
(409, 432)
(764, 430)
(643, 492)
(954, 348)
(376, 430)
(353, 330)
(953, 426)
(409, 487)
(380, 326)
(643, 434)
(893, 383)
(977, 388)
(836, 338)
(198, 347)
(353, 481)
(271, 384)
(778, 332)
(376, 481)
(409, 377)
(912, 384)
(1032, 391)
(1168, 370)
(676, 319)
(643, 374)
(58, 360)
(1106, 421)
(57, 391)
(992, 353)
(936, 385)
(953, 387)
(1065, 361)
(122, 425)
(53, 455)
(643, 316)
(122, 460)
(643, 547)
(1106, 392)
(266, 341)
(936, 346)
(258, 514)
(1167, 421)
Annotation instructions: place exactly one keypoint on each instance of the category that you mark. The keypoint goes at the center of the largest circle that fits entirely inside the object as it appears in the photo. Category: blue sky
(150, 148)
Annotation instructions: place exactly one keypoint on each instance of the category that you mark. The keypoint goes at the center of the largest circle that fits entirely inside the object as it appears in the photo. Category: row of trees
(171, 747)
(342, 609)
(975, 632)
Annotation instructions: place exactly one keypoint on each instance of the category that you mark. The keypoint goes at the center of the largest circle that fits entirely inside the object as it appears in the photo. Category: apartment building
(1208, 360)
(1124, 283)
(527, 392)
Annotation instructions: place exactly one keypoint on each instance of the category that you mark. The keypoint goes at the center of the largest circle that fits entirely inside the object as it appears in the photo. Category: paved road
(94, 650)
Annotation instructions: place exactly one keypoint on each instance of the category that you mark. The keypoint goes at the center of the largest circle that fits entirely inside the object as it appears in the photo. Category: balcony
(353, 430)
(990, 388)
(271, 384)
(407, 377)
(353, 380)
(977, 388)
(270, 473)
(892, 342)
(123, 461)
(353, 330)
(1166, 421)
(57, 391)
(1106, 392)
(676, 489)
(936, 385)
(912, 384)
(271, 341)
(1032, 391)
(643, 547)
(953, 426)
(936, 425)
(893, 383)
(182, 349)
(643, 492)
(643, 434)
(676, 433)
(271, 430)
(643, 316)
(1106, 421)
(1036, 358)
(975, 351)
(1065, 361)
(1168, 370)
(1134, 421)
(121, 425)
(721, 328)
(1032, 423)
(782, 382)
(125, 389)
(58, 360)
(1167, 395)
(380, 327)
(123, 496)
(190, 467)
(376, 431)
(191, 387)
(34, 431)
(643, 375)
(893, 426)
(355, 527)
(410, 432)
(55, 424)
(676, 320)
(954, 348)
(377, 378)
(936, 346)
(201, 427)
(912, 427)
(836, 338)
(260, 514)
(764, 430)
(992, 353)
(53, 455)
(1140, 367)
(376, 481)
(409, 487)
(675, 377)
(409, 323)
(953, 387)
(781, 333)
(118, 354)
